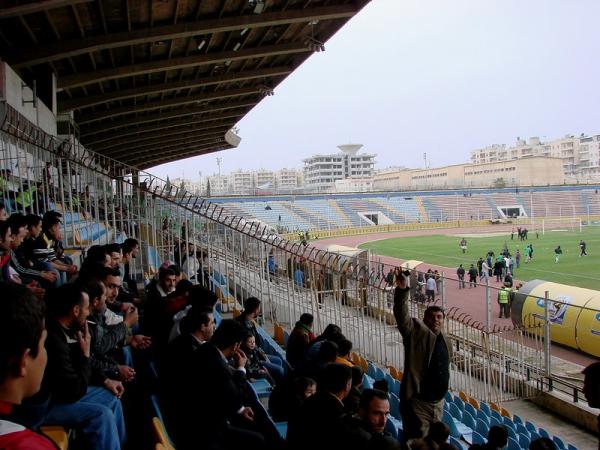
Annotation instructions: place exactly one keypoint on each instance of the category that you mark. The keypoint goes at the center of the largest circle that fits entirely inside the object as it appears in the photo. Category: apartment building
(322, 171)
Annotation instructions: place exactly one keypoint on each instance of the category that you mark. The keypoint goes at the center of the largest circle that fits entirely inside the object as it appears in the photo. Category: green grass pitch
(443, 250)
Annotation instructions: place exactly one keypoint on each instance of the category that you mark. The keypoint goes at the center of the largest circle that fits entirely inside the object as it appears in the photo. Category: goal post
(573, 224)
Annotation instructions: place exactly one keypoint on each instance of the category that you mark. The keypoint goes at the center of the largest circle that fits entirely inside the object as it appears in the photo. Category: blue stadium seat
(571, 447)
(367, 382)
(483, 416)
(469, 420)
(448, 397)
(522, 430)
(379, 373)
(281, 429)
(559, 443)
(485, 408)
(458, 402)
(533, 435)
(497, 415)
(456, 443)
(513, 445)
(393, 426)
(455, 412)
(478, 438)
(482, 427)
(494, 422)
(449, 420)
(530, 426)
(508, 422)
(262, 387)
(517, 419)
(371, 370)
(470, 409)
(544, 433)
(286, 336)
(524, 440)
(512, 433)
(395, 406)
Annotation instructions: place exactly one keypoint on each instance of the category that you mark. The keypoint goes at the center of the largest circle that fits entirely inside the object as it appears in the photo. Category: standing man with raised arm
(427, 356)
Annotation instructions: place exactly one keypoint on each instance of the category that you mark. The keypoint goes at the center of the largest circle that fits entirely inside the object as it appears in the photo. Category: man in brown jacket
(427, 356)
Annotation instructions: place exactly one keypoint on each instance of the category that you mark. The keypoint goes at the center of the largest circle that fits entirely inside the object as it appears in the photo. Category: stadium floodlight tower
(350, 149)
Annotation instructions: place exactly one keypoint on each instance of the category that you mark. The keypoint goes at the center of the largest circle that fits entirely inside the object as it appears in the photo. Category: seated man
(80, 398)
(368, 426)
(18, 260)
(48, 247)
(22, 362)
(130, 250)
(197, 328)
(207, 396)
(107, 339)
(319, 420)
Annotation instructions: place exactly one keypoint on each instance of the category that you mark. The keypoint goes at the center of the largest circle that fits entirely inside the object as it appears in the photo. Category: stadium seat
(524, 440)
(469, 420)
(286, 336)
(522, 430)
(464, 397)
(281, 429)
(458, 402)
(394, 372)
(530, 426)
(571, 447)
(559, 443)
(448, 397)
(534, 435)
(497, 416)
(236, 313)
(483, 416)
(482, 427)
(449, 420)
(395, 406)
(544, 433)
(495, 407)
(371, 370)
(512, 433)
(262, 388)
(513, 445)
(485, 408)
(509, 423)
(517, 419)
(58, 435)
(367, 382)
(494, 422)
(393, 426)
(160, 433)
(455, 412)
(505, 413)
(456, 443)
(474, 402)
(278, 334)
(470, 409)
(478, 438)
(158, 424)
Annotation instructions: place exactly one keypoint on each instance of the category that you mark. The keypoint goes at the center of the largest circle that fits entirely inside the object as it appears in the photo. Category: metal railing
(104, 200)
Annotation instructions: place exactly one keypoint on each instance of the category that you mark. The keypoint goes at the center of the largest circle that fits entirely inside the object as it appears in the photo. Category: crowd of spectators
(76, 341)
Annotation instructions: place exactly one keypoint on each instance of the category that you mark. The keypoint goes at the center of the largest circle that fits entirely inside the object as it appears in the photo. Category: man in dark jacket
(207, 398)
(95, 410)
(318, 423)
(299, 340)
(367, 428)
(426, 364)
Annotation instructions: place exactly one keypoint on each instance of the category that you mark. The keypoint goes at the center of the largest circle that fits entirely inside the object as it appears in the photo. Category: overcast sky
(406, 77)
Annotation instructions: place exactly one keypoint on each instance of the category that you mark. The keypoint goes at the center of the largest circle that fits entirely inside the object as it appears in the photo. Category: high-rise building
(322, 171)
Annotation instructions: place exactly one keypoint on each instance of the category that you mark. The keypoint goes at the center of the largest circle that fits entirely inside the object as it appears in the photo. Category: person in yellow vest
(503, 301)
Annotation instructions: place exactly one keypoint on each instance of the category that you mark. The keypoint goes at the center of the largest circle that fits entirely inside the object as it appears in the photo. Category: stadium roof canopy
(153, 81)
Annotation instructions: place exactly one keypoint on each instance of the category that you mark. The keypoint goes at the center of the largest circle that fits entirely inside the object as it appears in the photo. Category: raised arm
(403, 319)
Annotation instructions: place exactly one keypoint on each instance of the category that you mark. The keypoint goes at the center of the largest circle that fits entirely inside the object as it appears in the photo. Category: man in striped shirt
(48, 247)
